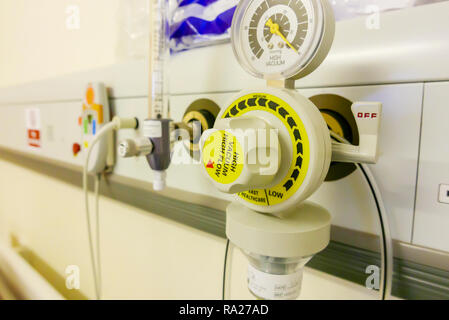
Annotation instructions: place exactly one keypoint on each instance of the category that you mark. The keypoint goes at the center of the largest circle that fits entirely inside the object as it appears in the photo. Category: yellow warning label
(300, 146)
(223, 157)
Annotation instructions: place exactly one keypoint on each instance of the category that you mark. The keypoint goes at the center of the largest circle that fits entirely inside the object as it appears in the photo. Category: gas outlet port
(336, 111)
(200, 115)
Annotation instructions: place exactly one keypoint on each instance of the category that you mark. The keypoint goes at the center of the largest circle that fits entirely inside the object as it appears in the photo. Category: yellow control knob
(241, 154)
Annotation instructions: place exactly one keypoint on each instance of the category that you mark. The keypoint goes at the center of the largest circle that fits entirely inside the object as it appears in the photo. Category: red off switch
(76, 148)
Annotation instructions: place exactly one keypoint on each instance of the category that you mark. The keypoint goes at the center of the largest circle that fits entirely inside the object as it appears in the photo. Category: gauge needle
(274, 29)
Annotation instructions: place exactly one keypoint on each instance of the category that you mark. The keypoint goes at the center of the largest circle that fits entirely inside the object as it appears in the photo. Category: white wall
(143, 255)
(36, 42)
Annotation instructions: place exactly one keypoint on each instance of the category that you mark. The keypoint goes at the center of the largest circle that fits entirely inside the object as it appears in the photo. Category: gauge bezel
(322, 34)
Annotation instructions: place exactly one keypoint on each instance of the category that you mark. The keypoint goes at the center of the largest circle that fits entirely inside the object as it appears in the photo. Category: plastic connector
(158, 132)
(159, 178)
(135, 147)
(125, 123)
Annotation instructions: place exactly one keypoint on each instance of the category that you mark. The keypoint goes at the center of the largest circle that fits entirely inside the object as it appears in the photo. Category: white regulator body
(282, 146)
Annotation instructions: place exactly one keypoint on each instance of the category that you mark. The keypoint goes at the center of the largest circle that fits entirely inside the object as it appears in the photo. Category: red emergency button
(76, 148)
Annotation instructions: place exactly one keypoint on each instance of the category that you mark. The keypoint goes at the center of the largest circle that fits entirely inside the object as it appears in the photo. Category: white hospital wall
(36, 42)
(143, 255)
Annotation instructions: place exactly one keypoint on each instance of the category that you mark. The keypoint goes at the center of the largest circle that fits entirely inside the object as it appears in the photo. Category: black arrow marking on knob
(234, 111)
(291, 122)
(273, 105)
(297, 134)
(299, 148)
(284, 113)
(295, 174)
(252, 102)
(242, 105)
(262, 102)
(288, 185)
(299, 162)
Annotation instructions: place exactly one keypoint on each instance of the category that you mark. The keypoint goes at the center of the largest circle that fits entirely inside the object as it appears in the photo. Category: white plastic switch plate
(395, 170)
(444, 193)
(367, 115)
(95, 114)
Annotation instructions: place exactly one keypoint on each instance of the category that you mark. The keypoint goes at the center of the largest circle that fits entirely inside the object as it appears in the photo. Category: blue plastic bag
(197, 23)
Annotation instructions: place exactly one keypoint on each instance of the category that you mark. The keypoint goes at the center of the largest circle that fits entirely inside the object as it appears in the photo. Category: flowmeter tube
(157, 128)
(158, 54)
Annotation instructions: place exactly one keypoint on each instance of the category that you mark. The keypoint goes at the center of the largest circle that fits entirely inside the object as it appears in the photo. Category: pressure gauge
(282, 39)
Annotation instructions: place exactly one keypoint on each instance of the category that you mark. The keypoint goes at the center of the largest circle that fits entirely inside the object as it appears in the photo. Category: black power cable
(386, 243)
(383, 237)
(225, 269)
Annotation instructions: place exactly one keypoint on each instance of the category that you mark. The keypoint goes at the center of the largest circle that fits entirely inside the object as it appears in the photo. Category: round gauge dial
(278, 39)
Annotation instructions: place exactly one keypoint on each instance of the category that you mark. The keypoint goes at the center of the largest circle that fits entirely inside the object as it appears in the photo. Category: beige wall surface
(42, 38)
(143, 256)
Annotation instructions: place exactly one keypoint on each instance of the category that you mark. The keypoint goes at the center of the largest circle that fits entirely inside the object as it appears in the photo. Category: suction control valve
(241, 154)
(135, 147)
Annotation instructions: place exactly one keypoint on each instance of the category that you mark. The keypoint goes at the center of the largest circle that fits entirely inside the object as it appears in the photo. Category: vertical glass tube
(159, 54)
